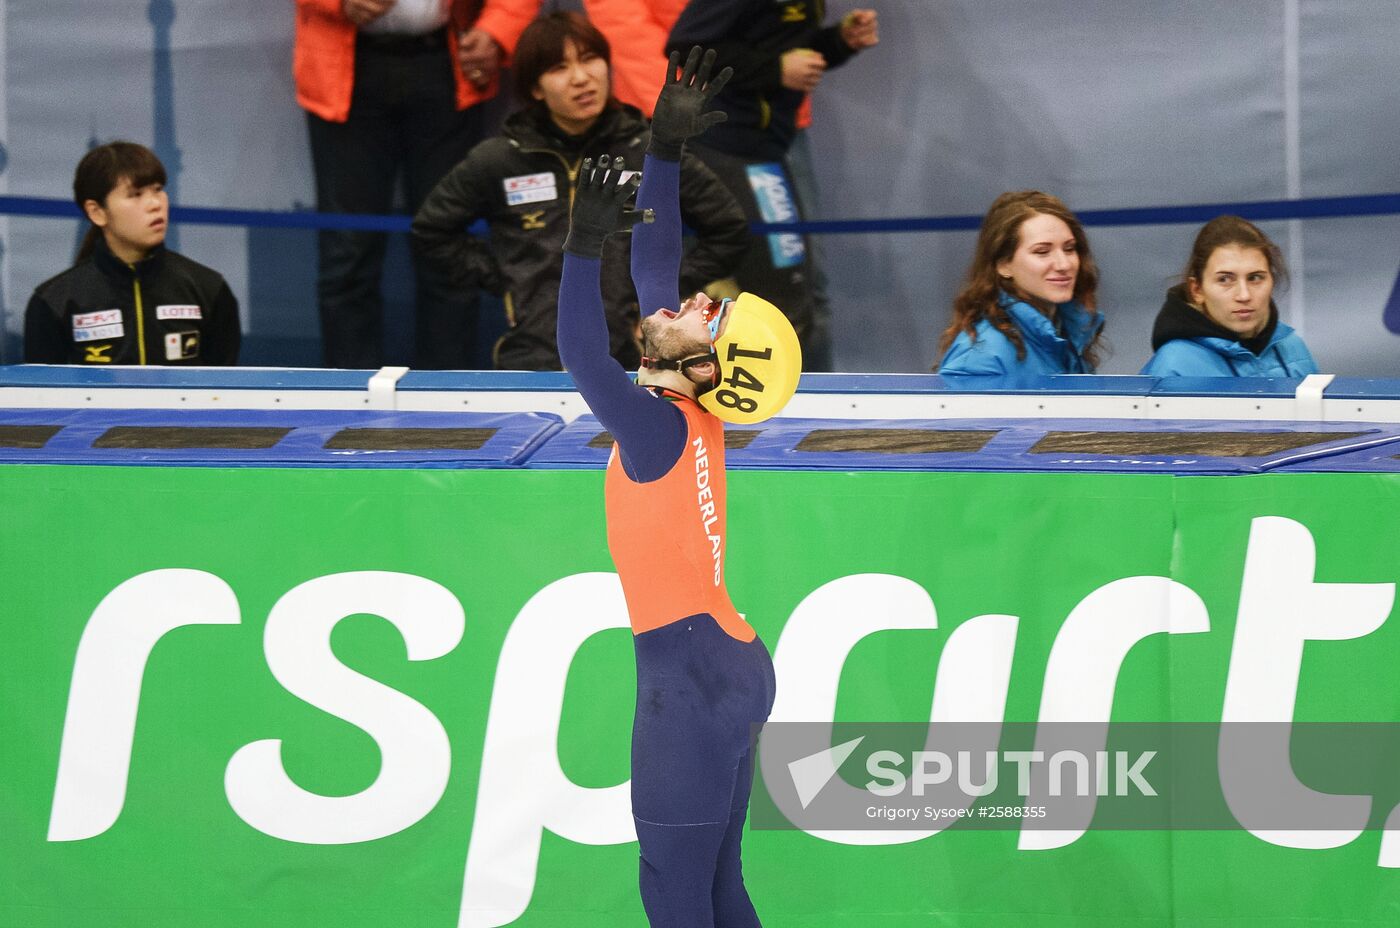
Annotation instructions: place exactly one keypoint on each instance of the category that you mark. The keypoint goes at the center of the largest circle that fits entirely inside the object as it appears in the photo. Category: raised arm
(656, 248)
(650, 432)
(680, 114)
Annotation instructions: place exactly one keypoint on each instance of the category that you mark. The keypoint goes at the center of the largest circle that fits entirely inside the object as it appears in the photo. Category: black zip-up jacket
(522, 183)
(1179, 319)
(166, 309)
(750, 36)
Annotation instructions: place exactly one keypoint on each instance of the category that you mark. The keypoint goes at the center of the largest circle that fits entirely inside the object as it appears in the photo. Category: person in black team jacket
(522, 183)
(779, 53)
(128, 300)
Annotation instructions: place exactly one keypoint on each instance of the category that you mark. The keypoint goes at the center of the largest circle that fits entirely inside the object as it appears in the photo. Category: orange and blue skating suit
(704, 678)
(704, 681)
(667, 535)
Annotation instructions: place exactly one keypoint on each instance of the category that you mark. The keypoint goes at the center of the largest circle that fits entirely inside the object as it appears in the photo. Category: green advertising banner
(353, 698)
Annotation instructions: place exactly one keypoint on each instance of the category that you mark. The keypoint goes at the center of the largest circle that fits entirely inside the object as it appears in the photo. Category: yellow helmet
(759, 361)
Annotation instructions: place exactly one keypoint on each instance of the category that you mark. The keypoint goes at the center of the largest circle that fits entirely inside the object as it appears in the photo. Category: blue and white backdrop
(1109, 104)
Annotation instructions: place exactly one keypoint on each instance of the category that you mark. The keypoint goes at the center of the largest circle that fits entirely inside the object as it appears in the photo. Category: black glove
(680, 109)
(599, 207)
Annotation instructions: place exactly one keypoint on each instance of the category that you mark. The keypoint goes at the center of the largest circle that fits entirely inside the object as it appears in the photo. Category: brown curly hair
(997, 242)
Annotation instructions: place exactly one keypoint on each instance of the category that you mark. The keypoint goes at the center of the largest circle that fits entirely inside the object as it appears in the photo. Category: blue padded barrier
(1046, 445)
(873, 383)
(1378, 459)
(1359, 388)
(1062, 384)
(272, 438)
(1115, 384)
(79, 376)
(249, 378)
(1272, 387)
(1070, 384)
(513, 381)
(234, 378)
(1119, 384)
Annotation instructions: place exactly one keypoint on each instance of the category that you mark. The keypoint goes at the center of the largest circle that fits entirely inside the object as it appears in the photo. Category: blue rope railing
(1258, 210)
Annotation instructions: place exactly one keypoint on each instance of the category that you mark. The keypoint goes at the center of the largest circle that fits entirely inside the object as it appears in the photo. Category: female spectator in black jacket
(522, 181)
(127, 300)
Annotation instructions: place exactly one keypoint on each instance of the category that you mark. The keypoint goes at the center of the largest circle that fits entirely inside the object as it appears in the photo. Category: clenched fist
(860, 29)
(802, 69)
(478, 56)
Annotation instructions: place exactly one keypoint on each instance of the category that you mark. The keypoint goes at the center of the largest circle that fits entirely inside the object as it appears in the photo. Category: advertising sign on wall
(363, 698)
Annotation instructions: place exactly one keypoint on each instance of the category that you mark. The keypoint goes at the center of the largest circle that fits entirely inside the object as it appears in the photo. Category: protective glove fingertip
(691, 62)
(720, 79)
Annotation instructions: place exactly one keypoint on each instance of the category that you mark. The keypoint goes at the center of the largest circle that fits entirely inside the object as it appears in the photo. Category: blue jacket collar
(1078, 324)
(1234, 349)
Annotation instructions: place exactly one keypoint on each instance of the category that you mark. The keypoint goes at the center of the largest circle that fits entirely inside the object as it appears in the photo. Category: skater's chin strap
(684, 366)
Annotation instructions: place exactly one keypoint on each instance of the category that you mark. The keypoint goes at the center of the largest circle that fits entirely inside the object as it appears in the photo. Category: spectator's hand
(860, 29)
(802, 69)
(362, 12)
(599, 207)
(680, 109)
(478, 56)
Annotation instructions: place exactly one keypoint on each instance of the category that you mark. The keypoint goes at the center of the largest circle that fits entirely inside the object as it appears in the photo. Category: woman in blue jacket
(1027, 308)
(1221, 321)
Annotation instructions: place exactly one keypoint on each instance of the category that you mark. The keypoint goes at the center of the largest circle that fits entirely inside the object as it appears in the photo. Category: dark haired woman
(1027, 308)
(1221, 321)
(522, 184)
(127, 300)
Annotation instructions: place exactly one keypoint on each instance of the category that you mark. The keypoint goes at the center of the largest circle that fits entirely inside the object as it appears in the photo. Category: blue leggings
(699, 694)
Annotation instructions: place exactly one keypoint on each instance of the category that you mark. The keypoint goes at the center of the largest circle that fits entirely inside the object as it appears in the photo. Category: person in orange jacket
(636, 30)
(382, 104)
